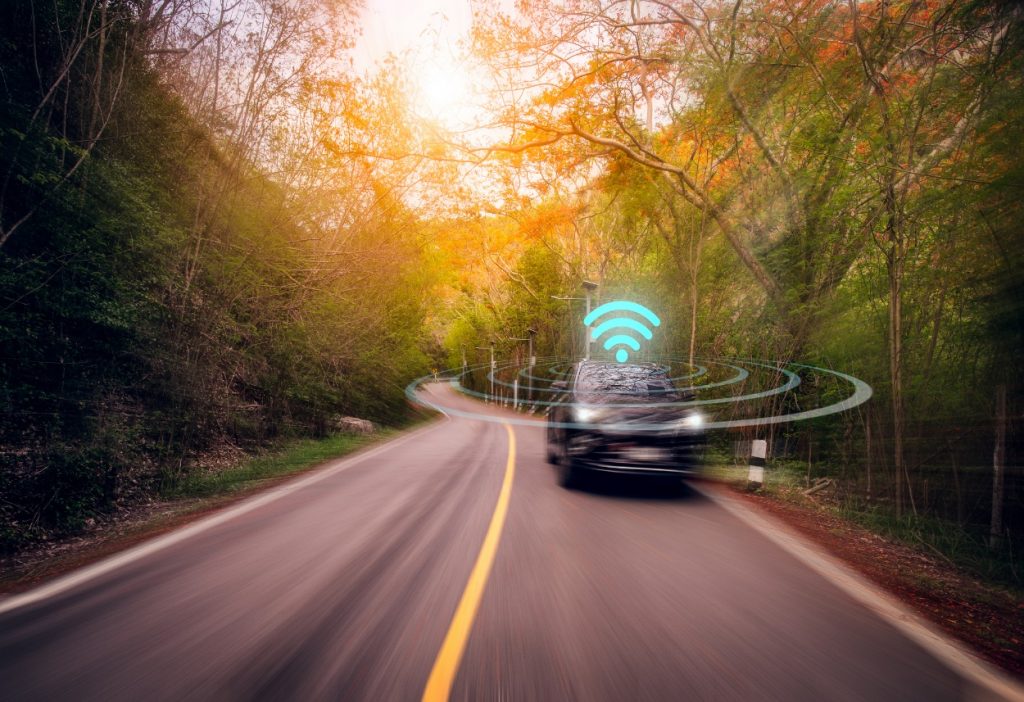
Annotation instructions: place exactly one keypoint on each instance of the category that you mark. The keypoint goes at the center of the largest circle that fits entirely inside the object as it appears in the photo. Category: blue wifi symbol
(616, 323)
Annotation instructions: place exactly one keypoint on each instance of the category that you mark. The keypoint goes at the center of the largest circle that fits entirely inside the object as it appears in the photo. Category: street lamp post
(566, 298)
(590, 288)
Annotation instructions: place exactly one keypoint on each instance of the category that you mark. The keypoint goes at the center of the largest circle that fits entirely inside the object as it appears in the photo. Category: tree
(763, 99)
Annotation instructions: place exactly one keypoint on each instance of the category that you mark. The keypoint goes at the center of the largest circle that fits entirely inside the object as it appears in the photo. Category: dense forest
(177, 268)
(212, 229)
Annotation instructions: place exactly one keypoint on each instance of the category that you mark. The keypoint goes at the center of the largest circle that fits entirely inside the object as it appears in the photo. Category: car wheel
(568, 474)
(670, 487)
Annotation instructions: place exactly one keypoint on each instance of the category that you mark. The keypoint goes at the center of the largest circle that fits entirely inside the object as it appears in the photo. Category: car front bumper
(653, 455)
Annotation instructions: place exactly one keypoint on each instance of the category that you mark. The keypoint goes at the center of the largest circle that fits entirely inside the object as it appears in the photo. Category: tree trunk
(895, 266)
(998, 472)
(809, 457)
(956, 484)
(693, 318)
(867, 450)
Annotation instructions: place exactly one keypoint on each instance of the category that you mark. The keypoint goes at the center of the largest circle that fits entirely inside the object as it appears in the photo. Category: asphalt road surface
(357, 584)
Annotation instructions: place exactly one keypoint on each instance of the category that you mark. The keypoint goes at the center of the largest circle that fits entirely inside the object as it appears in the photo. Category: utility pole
(530, 361)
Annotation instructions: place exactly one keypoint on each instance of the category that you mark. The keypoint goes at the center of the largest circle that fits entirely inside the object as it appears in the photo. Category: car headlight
(587, 414)
(694, 420)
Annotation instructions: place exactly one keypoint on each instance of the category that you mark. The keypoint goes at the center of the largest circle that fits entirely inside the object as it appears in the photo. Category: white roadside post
(515, 393)
(758, 450)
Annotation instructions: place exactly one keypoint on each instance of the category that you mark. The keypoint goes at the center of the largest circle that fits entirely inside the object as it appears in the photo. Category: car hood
(612, 417)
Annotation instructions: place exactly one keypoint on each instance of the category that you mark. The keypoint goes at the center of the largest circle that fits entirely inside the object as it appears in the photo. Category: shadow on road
(630, 488)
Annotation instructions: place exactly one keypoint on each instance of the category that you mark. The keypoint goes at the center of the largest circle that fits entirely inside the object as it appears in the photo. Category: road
(350, 586)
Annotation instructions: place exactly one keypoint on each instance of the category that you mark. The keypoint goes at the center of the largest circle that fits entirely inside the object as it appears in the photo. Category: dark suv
(623, 418)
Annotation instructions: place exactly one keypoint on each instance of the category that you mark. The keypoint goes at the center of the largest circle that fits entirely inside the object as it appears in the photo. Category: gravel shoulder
(987, 618)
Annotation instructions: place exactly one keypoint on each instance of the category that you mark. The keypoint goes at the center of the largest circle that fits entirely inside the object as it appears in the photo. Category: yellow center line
(442, 676)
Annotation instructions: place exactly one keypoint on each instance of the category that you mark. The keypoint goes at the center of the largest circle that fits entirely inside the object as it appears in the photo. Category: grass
(190, 498)
(779, 474)
(293, 458)
(964, 548)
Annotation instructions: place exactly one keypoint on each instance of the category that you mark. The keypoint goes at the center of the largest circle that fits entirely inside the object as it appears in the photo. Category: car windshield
(600, 383)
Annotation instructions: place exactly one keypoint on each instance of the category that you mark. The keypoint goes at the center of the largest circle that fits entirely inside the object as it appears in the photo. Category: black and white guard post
(758, 450)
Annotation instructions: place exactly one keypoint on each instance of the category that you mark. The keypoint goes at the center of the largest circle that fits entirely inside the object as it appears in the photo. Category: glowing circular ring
(794, 381)
(741, 374)
(862, 393)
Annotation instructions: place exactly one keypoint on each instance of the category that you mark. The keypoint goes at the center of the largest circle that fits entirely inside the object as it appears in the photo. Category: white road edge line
(949, 651)
(90, 572)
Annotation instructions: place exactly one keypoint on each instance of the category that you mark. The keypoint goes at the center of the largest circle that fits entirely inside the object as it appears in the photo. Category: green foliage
(160, 294)
(296, 457)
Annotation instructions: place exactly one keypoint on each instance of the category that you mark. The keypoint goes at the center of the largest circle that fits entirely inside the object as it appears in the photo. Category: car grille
(638, 453)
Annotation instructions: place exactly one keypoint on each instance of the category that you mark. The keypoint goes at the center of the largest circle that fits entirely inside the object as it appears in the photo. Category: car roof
(621, 378)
